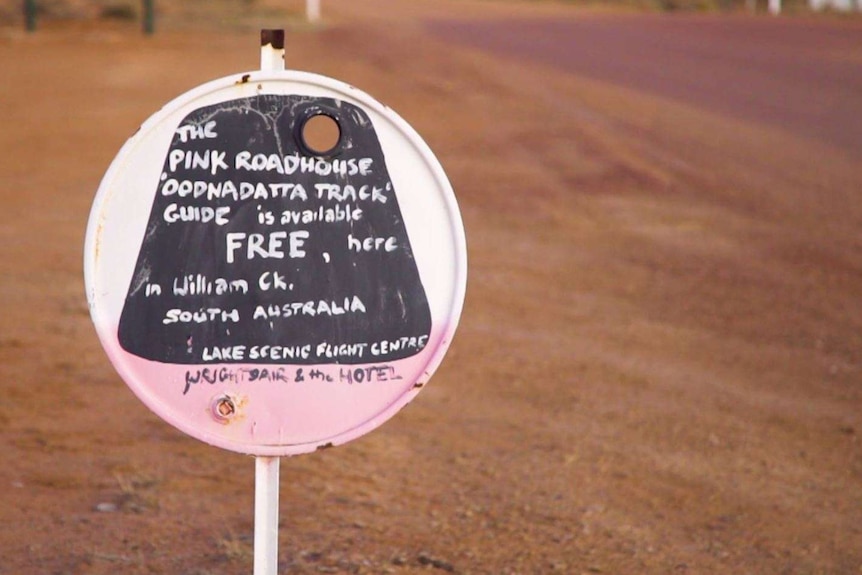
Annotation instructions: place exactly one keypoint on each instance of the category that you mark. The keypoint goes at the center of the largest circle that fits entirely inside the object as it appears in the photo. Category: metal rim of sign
(103, 214)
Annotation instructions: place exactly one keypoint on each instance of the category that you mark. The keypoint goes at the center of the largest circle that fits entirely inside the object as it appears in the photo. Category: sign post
(266, 469)
(30, 15)
(275, 264)
(266, 515)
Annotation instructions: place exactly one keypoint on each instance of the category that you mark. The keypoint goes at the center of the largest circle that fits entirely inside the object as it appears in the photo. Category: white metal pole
(272, 50)
(775, 7)
(266, 469)
(266, 515)
(312, 10)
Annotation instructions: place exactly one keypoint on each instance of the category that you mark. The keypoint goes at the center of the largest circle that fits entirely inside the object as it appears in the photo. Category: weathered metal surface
(263, 294)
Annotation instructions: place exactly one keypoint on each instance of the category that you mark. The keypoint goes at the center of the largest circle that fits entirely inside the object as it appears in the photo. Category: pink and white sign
(268, 289)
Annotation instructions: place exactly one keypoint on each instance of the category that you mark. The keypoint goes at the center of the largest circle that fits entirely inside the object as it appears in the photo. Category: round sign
(275, 263)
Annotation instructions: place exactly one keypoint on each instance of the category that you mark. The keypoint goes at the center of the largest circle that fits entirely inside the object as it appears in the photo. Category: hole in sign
(320, 134)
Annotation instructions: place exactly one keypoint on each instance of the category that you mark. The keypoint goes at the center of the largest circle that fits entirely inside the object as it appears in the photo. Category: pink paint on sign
(278, 409)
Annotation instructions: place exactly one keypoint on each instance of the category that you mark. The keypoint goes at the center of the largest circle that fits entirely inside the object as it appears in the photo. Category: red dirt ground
(659, 365)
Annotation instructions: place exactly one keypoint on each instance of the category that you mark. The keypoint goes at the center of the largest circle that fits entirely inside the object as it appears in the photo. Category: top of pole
(272, 50)
(312, 10)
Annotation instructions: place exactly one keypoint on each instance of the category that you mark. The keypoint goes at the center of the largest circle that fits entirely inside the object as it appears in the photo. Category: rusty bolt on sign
(223, 408)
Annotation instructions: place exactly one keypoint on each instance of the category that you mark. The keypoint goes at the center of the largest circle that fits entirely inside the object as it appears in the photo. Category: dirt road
(658, 366)
(797, 75)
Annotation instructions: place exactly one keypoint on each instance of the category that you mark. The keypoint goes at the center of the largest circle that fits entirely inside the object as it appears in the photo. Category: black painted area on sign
(257, 251)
